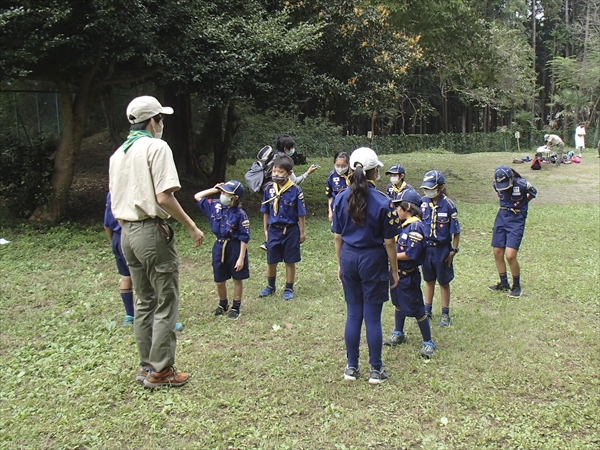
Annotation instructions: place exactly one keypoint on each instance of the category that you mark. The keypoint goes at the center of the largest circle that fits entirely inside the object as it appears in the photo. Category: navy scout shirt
(379, 223)
(226, 223)
(515, 197)
(290, 206)
(440, 220)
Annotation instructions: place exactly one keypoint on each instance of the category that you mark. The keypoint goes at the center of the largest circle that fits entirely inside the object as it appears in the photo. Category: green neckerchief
(134, 136)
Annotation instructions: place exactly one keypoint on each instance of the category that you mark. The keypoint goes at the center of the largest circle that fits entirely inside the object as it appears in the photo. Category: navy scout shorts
(122, 267)
(408, 297)
(435, 267)
(224, 270)
(283, 244)
(508, 229)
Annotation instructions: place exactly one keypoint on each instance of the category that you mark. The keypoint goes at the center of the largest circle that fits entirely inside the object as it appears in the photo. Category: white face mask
(292, 151)
(341, 170)
(430, 193)
(158, 134)
(378, 175)
(225, 199)
(394, 180)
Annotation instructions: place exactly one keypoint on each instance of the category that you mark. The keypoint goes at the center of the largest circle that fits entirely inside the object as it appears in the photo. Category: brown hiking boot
(143, 370)
(166, 377)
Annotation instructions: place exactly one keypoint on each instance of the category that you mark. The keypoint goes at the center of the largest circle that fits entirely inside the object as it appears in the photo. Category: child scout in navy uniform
(514, 195)
(397, 183)
(337, 180)
(283, 211)
(442, 233)
(230, 224)
(113, 230)
(411, 248)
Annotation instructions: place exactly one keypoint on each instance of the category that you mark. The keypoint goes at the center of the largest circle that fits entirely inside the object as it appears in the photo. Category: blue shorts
(508, 229)
(408, 297)
(365, 274)
(225, 270)
(435, 266)
(122, 267)
(283, 244)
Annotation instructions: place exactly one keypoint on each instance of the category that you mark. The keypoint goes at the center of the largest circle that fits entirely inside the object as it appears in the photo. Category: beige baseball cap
(143, 108)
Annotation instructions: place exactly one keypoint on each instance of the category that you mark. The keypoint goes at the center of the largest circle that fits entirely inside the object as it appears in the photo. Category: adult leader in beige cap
(142, 180)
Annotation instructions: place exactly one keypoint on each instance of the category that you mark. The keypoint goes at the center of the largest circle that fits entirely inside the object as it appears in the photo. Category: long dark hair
(359, 192)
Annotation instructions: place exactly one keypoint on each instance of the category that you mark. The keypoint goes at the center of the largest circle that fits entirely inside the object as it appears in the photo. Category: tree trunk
(113, 122)
(179, 131)
(74, 115)
(221, 151)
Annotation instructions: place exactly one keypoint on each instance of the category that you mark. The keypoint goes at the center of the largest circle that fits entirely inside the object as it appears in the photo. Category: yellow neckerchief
(278, 192)
(398, 189)
(408, 222)
(434, 207)
(349, 180)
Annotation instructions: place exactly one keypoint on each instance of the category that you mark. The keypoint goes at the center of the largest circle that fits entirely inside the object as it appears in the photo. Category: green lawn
(507, 374)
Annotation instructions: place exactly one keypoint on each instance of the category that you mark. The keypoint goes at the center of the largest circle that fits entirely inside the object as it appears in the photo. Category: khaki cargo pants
(154, 266)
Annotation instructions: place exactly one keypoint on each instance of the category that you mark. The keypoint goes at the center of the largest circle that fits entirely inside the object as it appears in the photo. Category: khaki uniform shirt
(554, 140)
(136, 176)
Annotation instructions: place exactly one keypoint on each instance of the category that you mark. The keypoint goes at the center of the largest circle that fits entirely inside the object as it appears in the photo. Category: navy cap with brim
(232, 187)
(433, 179)
(408, 195)
(395, 169)
(503, 177)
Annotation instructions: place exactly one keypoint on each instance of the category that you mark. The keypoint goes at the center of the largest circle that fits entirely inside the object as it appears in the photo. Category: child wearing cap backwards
(230, 224)
(397, 183)
(514, 195)
(411, 247)
(283, 212)
(365, 227)
(337, 180)
(442, 233)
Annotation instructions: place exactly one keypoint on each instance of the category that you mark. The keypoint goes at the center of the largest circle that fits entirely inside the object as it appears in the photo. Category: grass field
(508, 373)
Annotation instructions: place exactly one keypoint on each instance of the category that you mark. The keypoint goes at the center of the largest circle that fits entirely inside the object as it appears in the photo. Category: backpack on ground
(259, 173)
(536, 164)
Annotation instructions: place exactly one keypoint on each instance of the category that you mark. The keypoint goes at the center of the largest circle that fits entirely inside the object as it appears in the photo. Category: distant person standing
(580, 138)
(552, 140)
(142, 180)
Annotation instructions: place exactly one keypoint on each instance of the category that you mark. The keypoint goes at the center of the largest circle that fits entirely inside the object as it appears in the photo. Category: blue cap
(433, 179)
(408, 195)
(233, 187)
(503, 177)
(396, 168)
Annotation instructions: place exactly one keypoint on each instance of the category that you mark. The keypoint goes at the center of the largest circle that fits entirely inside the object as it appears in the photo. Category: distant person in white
(580, 138)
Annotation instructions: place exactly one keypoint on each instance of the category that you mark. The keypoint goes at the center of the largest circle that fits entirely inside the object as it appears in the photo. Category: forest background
(470, 73)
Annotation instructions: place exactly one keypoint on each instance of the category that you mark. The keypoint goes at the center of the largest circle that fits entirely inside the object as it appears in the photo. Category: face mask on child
(341, 170)
(430, 193)
(279, 179)
(394, 180)
(225, 199)
(292, 151)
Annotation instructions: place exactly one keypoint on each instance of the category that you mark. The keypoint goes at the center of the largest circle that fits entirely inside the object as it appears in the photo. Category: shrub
(25, 177)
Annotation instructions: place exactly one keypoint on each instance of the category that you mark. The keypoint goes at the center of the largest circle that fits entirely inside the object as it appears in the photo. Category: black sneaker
(233, 314)
(264, 246)
(351, 373)
(378, 376)
(395, 339)
(219, 311)
(499, 287)
(515, 292)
